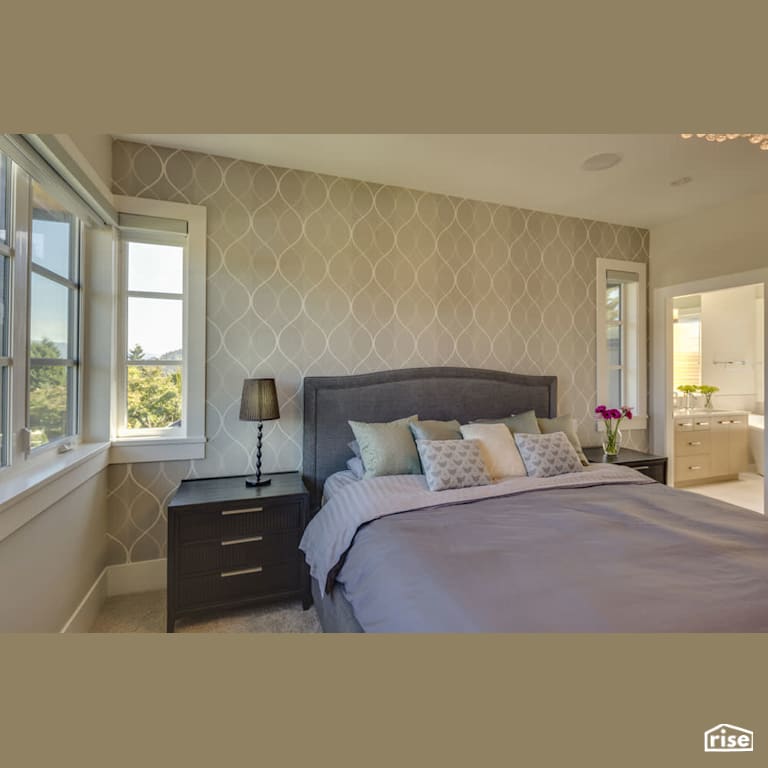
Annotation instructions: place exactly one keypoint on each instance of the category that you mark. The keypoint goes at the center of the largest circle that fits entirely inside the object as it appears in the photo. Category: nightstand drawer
(654, 471)
(235, 553)
(239, 521)
(230, 585)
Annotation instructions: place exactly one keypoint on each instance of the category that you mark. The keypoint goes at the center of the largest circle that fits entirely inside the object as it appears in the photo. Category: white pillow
(498, 449)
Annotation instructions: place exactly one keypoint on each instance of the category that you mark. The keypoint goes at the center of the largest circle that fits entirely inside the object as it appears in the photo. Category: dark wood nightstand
(231, 545)
(648, 464)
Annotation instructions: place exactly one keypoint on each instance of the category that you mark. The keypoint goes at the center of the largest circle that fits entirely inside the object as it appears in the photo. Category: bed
(603, 550)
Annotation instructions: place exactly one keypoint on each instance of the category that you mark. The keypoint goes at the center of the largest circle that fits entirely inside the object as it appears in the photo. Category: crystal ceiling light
(761, 139)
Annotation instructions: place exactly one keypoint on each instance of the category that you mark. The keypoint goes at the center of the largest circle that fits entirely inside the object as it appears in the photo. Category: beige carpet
(145, 612)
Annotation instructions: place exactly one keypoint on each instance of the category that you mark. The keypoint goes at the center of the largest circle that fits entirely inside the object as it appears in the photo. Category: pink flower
(600, 409)
(628, 414)
(615, 413)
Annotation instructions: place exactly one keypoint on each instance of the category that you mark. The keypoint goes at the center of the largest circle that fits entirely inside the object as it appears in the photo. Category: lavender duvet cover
(603, 550)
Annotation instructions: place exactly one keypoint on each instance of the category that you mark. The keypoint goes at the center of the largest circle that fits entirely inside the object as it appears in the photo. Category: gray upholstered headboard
(432, 393)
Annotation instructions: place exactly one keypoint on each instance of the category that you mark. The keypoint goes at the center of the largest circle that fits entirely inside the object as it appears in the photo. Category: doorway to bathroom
(717, 396)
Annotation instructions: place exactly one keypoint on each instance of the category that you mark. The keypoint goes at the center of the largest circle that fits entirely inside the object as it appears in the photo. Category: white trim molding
(637, 343)
(190, 443)
(27, 494)
(135, 450)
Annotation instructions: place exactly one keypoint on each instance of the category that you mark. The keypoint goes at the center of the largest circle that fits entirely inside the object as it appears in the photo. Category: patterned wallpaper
(317, 275)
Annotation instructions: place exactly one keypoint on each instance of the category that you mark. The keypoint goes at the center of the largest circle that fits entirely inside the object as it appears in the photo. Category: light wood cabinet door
(738, 444)
(720, 463)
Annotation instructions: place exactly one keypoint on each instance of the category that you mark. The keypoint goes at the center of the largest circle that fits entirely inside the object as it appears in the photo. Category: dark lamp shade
(259, 400)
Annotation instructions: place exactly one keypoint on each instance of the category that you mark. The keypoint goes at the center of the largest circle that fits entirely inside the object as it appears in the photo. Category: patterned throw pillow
(548, 455)
(452, 464)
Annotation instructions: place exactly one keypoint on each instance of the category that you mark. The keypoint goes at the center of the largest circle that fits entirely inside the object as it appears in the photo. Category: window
(160, 398)
(621, 339)
(154, 338)
(40, 246)
(54, 308)
(5, 296)
(686, 333)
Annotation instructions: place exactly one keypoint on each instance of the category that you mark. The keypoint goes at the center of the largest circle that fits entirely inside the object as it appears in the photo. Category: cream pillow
(498, 449)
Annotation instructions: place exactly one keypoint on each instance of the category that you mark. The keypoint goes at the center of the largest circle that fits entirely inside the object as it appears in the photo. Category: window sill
(26, 494)
(134, 450)
(638, 422)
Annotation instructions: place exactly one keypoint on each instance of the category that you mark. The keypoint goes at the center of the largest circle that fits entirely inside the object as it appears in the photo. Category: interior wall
(49, 564)
(724, 240)
(728, 319)
(97, 150)
(318, 275)
(759, 347)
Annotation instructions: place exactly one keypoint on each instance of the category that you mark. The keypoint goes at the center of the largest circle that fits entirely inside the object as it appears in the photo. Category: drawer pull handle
(639, 469)
(694, 442)
(702, 423)
(242, 511)
(246, 540)
(241, 572)
(694, 467)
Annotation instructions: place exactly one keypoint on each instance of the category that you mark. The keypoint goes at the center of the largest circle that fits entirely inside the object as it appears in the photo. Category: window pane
(5, 178)
(686, 353)
(49, 319)
(3, 416)
(155, 329)
(51, 393)
(154, 396)
(4, 306)
(613, 303)
(53, 233)
(613, 337)
(615, 395)
(158, 268)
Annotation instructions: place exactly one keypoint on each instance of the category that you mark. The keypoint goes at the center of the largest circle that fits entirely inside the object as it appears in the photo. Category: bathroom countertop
(706, 411)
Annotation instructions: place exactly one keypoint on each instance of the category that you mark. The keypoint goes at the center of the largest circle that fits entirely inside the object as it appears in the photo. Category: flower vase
(708, 399)
(612, 443)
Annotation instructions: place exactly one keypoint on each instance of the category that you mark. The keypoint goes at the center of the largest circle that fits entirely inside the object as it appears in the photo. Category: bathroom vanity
(710, 445)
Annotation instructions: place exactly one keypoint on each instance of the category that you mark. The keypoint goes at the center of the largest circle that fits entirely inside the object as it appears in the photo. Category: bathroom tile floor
(746, 492)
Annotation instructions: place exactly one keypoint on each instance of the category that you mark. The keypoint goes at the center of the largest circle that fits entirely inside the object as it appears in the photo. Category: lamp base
(255, 482)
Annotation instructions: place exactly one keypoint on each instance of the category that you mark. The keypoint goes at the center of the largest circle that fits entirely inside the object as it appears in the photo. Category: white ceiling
(538, 171)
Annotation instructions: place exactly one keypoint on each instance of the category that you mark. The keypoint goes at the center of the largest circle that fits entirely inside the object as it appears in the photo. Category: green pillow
(387, 448)
(436, 430)
(565, 424)
(523, 422)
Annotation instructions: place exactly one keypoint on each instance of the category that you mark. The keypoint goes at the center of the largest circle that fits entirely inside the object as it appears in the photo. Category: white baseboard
(85, 613)
(124, 579)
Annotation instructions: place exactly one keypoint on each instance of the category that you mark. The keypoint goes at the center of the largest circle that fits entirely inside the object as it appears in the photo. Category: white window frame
(188, 441)
(23, 463)
(66, 442)
(634, 341)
